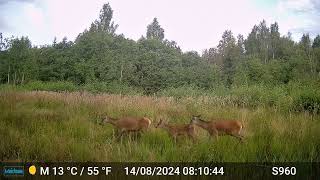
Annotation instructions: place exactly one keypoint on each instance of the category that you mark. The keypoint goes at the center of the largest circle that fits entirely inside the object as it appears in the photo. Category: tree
(252, 43)
(229, 51)
(275, 38)
(305, 44)
(264, 40)
(316, 52)
(172, 44)
(4, 62)
(316, 42)
(18, 65)
(227, 44)
(154, 30)
(258, 41)
(106, 24)
(286, 48)
(212, 56)
(240, 44)
(1, 42)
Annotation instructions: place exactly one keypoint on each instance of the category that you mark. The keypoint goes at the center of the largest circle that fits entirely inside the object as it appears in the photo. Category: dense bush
(112, 88)
(183, 91)
(307, 100)
(259, 95)
(51, 86)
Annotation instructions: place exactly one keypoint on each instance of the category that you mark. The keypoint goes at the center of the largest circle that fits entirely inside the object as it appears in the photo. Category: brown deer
(220, 127)
(176, 130)
(128, 124)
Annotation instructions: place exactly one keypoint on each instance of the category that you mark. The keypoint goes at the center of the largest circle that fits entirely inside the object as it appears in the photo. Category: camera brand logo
(13, 170)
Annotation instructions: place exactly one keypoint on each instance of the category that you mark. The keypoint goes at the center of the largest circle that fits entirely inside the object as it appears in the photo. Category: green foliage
(182, 91)
(230, 52)
(154, 30)
(104, 23)
(316, 42)
(261, 95)
(306, 98)
(50, 86)
(305, 42)
(112, 88)
(153, 65)
(250, 71)
(309, 101)
(17, 61)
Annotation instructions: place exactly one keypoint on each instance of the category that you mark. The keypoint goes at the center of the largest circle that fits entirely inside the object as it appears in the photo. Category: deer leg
(241, 137)
(214, 134)
(192, 137)
(174, 138)
(115, 133)
(238, 136)
(136, 134)
(119, 137)
(139, 134)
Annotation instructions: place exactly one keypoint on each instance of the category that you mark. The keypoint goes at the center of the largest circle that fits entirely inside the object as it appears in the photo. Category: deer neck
(167, 127)
(202, 124)
(112, 121)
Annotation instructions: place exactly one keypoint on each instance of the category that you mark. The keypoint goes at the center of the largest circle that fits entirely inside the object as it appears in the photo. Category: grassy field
(51, 126)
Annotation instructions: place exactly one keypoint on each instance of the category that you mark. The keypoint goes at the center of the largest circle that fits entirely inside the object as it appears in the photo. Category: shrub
(112, 88)
(249, 95)
(50, 86)
(307, 100)
(261, 95)
(182, 91)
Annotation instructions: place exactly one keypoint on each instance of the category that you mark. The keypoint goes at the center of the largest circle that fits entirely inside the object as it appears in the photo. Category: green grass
(294, 96)
(51, 126)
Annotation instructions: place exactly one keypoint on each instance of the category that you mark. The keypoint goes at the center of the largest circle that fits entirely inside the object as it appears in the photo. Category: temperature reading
(93, 171)
(58, 171)
(73, 170)
(107, 170)
(76, 171)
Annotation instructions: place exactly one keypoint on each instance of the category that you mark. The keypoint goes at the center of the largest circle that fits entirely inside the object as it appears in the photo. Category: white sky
(193, 24)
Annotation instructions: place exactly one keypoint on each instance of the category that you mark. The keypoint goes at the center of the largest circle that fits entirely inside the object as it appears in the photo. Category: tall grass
(294, 96)
(65, 86)
(54, 126)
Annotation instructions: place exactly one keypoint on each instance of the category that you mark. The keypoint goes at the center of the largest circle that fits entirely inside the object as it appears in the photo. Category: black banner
(105, 170)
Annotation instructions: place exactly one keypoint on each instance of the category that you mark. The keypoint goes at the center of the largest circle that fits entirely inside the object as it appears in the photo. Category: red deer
(178, 130)
(220, 127)
(128, 124)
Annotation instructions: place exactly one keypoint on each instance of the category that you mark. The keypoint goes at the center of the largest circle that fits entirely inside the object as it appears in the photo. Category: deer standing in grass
(128, 124)
(178, 130)
(220, 127)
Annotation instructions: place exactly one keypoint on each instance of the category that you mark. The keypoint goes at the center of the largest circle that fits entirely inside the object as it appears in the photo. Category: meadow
(63, 126)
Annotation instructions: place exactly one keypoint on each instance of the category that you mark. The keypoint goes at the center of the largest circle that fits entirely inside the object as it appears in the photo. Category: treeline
(153, 63)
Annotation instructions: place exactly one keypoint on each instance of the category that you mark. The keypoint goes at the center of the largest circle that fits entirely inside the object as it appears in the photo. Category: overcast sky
(193, 24)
